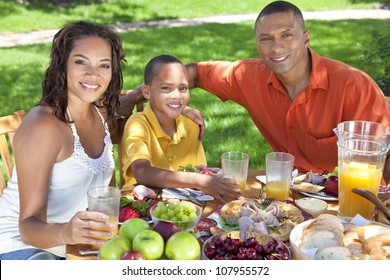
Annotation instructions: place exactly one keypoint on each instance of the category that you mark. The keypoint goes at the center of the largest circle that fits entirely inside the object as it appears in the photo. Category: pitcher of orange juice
(362, 148)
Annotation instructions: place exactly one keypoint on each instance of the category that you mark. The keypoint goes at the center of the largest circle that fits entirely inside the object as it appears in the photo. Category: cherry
(236, 242)
(218, 243)
(241, 256)
(210, 252)
(251, 253)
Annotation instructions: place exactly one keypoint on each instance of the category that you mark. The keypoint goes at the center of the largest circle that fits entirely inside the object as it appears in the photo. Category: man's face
(282, 42)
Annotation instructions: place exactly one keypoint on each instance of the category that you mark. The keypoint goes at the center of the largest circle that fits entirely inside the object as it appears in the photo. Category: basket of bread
(326, 237)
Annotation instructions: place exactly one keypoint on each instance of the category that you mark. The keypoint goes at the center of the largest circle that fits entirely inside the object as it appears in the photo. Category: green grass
(228, 125)
(43, 15)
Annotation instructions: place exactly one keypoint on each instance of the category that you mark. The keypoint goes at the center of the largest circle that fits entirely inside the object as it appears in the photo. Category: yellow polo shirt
(143, 138)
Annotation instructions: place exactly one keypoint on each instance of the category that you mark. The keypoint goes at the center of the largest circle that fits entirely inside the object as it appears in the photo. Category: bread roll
(320, 239)
(370, 230)
(231, 211)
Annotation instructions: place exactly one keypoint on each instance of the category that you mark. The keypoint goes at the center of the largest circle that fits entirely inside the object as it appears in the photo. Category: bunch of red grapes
(249, 249)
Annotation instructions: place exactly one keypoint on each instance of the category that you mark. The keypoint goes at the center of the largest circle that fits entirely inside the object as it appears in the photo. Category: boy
(159, 140)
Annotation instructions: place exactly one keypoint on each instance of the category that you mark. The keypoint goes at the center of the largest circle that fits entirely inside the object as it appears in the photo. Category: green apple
(150, 243)
(132, 227)
(114, 248)
(182, 245)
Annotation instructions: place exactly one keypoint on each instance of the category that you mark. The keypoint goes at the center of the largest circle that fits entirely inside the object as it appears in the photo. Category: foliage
(229, 127)
(377, 52)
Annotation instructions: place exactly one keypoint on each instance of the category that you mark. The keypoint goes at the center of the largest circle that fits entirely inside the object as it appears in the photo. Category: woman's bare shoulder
(40, 121)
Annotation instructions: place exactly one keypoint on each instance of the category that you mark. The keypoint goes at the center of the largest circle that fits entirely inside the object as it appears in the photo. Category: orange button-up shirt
(303, 127)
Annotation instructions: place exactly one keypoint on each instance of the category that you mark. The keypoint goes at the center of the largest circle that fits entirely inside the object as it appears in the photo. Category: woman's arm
(38, 144)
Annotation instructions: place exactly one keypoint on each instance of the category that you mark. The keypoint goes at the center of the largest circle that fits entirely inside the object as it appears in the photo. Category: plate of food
(318, 185)
(274, 218)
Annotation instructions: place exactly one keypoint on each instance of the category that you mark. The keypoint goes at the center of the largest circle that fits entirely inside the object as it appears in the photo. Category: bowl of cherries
(244, 245)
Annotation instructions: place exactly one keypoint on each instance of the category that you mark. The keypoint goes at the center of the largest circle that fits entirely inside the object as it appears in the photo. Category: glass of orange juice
(279, 167)
(235, 166)
(362, 149)
(106, 200)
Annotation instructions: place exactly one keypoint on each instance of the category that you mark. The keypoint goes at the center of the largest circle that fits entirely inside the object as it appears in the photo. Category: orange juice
(240, 179)
(112, 220)
(357, 175)
(278, 190)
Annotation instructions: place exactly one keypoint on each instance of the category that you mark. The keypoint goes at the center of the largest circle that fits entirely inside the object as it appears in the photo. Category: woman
(63, 147)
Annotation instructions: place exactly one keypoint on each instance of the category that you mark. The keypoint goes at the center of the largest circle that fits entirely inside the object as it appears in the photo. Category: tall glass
(279, 167)
(106, 200)
(362, 149)
(235, 166)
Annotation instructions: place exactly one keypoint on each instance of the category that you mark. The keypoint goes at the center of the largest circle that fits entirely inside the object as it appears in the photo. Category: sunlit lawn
(228, 125)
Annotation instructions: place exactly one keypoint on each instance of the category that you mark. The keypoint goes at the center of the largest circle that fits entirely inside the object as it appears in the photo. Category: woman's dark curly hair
(54, 86)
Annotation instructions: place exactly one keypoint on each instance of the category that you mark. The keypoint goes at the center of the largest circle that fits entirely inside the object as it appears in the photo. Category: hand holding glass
(279, 167)
(105, 200)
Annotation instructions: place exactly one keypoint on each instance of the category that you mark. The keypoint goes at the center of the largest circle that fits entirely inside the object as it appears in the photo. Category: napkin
(171, 193)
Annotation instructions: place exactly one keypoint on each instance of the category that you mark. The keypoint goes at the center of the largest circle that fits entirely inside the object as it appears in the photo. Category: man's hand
(196, 117)
(129, 99)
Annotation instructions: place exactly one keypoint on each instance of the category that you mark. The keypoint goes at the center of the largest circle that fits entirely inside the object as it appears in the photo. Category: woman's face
(89, 69)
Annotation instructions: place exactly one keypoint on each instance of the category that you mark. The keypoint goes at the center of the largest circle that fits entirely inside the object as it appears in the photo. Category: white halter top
(94, 165)
(69, 182)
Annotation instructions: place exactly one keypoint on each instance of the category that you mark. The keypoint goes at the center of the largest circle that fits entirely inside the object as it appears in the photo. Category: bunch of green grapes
(188, 168)
(175, 212)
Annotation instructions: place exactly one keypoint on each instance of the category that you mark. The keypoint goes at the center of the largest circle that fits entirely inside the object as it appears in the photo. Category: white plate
(320, 195)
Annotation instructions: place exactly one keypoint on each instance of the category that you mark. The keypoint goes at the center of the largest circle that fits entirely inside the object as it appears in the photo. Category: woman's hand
(196, 117)
(79, 230)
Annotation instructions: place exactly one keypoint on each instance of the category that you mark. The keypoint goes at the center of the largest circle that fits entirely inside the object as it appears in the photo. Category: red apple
(165, 229)
(132, 255)
(332, 186)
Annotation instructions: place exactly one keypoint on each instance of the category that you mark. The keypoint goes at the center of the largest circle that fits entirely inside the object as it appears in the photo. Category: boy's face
(169, 92)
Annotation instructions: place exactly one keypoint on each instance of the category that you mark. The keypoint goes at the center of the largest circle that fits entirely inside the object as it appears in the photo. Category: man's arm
(128, 100)
(192, 70)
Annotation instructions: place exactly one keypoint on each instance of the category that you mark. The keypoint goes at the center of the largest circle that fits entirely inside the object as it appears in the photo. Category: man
(294, 96)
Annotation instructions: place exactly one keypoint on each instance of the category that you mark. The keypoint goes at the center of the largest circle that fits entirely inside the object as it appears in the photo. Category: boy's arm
(214, 185)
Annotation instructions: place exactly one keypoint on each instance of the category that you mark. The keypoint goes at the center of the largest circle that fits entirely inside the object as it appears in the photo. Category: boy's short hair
(154, 65)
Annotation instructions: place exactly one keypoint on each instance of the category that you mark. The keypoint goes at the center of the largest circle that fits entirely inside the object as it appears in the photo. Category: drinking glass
(235, 166)
(106, 200)
(279, 167)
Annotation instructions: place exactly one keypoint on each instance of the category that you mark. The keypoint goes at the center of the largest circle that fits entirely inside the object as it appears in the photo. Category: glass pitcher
(362, 149)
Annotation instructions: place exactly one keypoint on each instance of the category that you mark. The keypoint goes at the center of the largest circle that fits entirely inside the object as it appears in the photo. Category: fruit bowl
(244, 245)
(184, 215)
